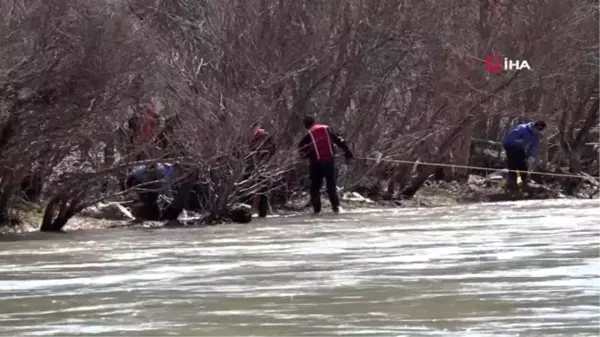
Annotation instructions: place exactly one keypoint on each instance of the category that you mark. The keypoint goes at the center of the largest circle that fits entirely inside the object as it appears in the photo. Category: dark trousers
(151, 210)
(181, 193)
(150, 193)
(318, 172)
(516, 159)
(263, 203)
(262, 193)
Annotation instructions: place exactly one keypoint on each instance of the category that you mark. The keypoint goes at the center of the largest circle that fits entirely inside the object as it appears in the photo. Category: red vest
(149, 123)
(321, 142)
(258, 139)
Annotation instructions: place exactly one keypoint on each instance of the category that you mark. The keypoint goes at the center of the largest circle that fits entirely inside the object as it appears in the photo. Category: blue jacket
(163, 171)
(531, 141)
(139, 173)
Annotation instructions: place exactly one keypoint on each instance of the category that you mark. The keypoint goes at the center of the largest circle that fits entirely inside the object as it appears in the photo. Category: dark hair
(540, 125)
(309, 121)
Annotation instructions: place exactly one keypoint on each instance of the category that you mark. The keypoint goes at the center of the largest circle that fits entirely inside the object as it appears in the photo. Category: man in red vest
(143, 126)
(261, 149)
(149, 123)
(317, 147)
(261, 144)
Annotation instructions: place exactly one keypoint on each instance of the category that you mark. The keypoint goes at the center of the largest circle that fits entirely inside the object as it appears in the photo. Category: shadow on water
(78, 234)
(140, 227)
(37, 236)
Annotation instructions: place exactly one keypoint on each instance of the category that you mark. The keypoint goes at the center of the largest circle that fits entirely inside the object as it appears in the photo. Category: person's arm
(304, 146)
(534, 148)
(532, 154)
(340, 142)
(270, 146)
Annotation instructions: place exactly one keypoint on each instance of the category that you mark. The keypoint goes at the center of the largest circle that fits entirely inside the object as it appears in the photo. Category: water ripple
(506, 269)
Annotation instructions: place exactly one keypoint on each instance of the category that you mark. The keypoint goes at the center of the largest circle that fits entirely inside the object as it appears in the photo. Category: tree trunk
(54, 221)
(544, 151)
(575, 161)
(390, 189)
(495, 128)
(398, 179)
(574, 167)
(465, 152)
(412, 188)
(49, 215)
(6, 192)
(32, 184)
(109, 160)
(109, 153)
(572, 145)
(480, 130)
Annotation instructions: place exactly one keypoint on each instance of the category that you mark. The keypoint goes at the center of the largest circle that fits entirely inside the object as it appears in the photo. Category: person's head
(309, 121)
(254, 128)
(539, 126)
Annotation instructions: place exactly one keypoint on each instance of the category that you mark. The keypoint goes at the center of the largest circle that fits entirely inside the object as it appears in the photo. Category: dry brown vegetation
(404, 78)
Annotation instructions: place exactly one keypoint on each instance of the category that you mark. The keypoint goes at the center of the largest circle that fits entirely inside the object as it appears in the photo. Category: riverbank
(477, 189)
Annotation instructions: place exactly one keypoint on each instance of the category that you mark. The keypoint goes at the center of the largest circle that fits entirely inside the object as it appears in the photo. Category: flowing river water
(507, 269)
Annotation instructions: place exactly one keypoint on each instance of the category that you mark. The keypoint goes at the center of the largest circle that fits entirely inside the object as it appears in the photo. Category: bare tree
(404, 80)
(65, 70)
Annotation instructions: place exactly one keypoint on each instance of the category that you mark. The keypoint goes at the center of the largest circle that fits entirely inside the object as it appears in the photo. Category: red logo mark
(494, 63)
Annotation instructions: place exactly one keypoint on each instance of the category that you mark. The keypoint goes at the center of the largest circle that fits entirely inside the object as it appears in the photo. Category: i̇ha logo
(497, 64)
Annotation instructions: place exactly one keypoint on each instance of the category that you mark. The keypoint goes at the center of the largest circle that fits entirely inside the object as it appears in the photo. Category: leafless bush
(65, 73)
(403, 79)
(406, 80)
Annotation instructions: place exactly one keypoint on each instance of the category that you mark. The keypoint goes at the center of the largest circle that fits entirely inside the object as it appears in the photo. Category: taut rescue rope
(379, 159)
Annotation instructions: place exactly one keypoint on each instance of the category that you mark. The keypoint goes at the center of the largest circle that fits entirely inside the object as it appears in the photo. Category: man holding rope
(317, 147)
(522, 149)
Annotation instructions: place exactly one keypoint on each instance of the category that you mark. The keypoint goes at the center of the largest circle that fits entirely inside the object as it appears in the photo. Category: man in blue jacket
(156, 180)
(522, 148)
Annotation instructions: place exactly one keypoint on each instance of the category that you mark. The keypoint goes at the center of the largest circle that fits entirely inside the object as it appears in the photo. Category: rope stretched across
(399, 161)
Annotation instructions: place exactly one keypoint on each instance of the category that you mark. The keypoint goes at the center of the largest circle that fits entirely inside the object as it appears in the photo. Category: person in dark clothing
(262, 146)
(262, 149)
(156, 181)
(317, 147)
(522, 149)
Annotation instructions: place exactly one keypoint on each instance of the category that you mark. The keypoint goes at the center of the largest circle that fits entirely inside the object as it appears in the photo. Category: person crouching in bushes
(153, 183)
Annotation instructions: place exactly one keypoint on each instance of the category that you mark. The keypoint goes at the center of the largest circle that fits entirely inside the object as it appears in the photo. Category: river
(507, 269)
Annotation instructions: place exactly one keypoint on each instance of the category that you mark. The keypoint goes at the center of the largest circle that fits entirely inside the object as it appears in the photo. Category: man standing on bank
(317, 147)
(262, 149)
(522, 149)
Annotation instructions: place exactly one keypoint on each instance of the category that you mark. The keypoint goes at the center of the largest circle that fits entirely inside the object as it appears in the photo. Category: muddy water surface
(510, 269)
